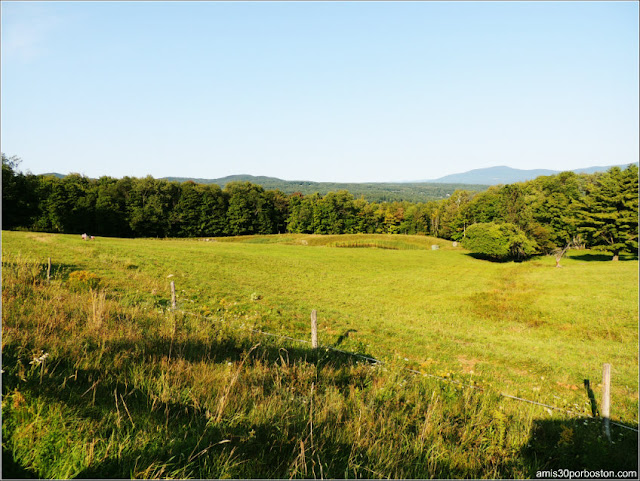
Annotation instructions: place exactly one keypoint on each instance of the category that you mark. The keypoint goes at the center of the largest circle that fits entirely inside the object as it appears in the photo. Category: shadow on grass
(188, 444)
(343, 336)
(12, 470)
(58, 270)
(192, 444)
(586, 257)
(229, 350)
(191, 440)
(482, 257)
(592, 398)
(602, 257)
(579, 444)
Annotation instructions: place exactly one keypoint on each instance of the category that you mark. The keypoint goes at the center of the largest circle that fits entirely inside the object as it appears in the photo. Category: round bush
(499, 241)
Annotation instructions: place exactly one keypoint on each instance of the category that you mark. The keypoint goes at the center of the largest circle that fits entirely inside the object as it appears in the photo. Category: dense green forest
(371, 191)
(597, 210)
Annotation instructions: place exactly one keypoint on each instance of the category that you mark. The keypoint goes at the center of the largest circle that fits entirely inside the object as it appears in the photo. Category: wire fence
(367, 358)
(377, 361)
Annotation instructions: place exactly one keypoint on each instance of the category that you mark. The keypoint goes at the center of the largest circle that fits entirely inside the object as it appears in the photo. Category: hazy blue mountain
(509, 175)
(591, 170)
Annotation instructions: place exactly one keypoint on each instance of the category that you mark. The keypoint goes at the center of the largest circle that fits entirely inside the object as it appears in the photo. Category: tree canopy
(538, 216)
(608, 213)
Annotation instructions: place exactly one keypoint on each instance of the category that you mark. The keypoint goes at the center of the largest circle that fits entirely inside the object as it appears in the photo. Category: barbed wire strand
(377, 361)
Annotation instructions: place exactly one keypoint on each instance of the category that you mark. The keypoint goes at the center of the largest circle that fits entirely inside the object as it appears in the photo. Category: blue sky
(324, 91)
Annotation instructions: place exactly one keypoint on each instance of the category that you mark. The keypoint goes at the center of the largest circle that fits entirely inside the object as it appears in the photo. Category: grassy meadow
(102, 379)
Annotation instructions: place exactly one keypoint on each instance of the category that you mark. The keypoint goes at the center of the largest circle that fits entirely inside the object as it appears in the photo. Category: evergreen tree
(609, 212)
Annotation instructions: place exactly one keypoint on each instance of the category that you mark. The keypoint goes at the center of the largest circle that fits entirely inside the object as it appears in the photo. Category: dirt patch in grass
(468, 365)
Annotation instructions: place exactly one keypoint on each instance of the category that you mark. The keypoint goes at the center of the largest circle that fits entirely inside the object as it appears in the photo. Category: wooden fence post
(314, 329)
(606, 401)
(173, 295)
(49, 271)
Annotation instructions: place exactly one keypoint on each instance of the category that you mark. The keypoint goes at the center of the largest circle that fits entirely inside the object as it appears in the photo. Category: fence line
(623, 426)
(377, 361)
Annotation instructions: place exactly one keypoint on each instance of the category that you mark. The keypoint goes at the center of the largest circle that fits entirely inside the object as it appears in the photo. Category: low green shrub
(499, 241)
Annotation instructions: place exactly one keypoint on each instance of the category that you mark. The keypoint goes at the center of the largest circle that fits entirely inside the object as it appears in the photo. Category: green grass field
(523, 329)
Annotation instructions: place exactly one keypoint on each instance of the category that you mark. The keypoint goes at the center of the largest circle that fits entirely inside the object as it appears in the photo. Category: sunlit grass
(515, 323)
(124, 376)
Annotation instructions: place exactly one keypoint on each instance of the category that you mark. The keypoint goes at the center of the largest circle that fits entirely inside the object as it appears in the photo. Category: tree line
(591, 210)
(371, 191)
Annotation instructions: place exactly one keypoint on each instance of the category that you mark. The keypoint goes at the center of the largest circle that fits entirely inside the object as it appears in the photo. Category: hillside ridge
(503, 174)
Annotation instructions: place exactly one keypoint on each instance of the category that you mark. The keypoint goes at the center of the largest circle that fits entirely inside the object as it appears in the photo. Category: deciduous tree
(499, 241)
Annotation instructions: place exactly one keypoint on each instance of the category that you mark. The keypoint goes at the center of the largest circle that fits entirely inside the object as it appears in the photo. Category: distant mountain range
(413, 191)
(509, 175)
(371, 191)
